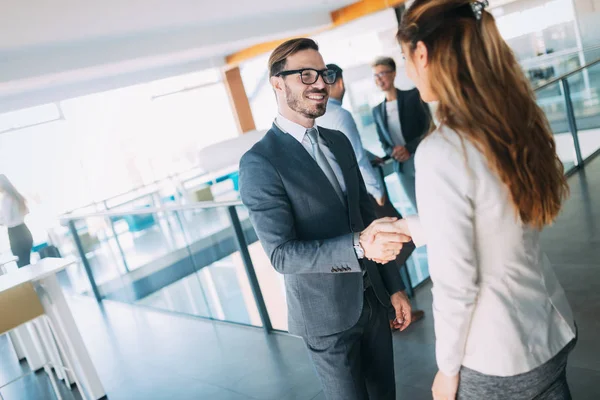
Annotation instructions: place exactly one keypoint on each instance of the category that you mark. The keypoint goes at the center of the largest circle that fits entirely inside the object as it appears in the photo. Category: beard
(300, 104)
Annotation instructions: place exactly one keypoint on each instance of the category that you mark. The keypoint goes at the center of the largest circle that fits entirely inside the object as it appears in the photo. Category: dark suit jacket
(307, 232)
(415, 119)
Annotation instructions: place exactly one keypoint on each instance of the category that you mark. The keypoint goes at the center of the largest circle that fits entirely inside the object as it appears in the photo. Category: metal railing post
(247, 260)
(84, 260)
(571, 119)
(116, 236)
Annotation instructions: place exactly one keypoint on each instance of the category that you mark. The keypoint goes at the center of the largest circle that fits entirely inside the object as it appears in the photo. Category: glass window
(109, 143)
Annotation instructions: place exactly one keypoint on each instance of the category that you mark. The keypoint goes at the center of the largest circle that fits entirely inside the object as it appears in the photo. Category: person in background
(13, 209)
(488, 181)
(402, 120)
(338, 118)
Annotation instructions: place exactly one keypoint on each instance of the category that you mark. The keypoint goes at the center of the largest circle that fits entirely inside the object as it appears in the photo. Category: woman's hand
(444, 386)
(393, 225)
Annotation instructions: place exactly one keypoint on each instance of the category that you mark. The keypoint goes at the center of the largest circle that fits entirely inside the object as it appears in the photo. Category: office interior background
(122, 124)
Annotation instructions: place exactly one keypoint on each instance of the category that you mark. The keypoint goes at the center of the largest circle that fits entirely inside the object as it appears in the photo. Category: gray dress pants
(357, 364)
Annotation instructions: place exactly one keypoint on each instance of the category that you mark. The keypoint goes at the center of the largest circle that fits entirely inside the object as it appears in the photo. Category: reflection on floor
(145, 354)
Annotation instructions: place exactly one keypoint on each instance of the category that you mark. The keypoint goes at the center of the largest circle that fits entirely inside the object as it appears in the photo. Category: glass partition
(552, 101)
(585, 95)
(186, 261)
(271, 282)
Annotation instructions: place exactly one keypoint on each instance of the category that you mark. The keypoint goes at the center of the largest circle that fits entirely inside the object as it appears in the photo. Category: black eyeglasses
(310, 75)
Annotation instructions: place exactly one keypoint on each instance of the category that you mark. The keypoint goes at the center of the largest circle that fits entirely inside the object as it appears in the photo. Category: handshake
(382, 241)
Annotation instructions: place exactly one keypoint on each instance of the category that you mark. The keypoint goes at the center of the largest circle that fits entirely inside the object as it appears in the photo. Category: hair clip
(478, 7)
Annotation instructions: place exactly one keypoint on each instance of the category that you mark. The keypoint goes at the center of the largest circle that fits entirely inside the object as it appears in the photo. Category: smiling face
(384, 77)
(299, 102)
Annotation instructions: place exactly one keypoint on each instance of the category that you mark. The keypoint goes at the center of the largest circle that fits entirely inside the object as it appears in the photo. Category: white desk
(8, 263)
(6, 260)
(43, 276)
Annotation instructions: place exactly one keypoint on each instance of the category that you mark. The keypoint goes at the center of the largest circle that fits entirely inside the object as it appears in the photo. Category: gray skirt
(546, 382)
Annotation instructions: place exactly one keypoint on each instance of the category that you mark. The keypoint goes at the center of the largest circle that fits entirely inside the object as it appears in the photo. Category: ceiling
(52, 50)
(67, 44)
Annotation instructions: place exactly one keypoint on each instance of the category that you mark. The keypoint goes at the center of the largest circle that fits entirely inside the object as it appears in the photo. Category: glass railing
(572, 105)
(544, 68)
(201, 259)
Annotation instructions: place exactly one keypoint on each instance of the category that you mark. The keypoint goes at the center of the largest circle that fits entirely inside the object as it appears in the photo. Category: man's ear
(276, 83)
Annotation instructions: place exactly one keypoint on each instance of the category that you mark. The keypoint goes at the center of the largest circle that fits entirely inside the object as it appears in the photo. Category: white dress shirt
(498, 306)
(299, 133)
(10, 212)
(340, 119)
(394, 123)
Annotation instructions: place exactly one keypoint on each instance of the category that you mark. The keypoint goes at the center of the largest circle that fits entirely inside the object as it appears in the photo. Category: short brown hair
(386, 62)
(283, 51)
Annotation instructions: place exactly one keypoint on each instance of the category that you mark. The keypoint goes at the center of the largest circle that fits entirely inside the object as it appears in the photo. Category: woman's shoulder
(443, 142)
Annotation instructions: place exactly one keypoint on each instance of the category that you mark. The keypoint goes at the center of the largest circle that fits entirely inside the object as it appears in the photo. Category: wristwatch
(360, 252)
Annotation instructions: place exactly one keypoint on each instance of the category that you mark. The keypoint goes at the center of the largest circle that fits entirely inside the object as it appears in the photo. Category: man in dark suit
(402, 120)
(312, 213)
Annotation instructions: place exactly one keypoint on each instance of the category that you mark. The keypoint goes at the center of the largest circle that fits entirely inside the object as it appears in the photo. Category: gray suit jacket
(307, 232)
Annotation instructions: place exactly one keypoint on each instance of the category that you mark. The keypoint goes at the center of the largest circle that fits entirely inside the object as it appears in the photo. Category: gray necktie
(320, 158)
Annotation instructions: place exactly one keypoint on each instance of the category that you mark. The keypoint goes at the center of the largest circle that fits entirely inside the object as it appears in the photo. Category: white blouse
(10, 212)
(497, 305)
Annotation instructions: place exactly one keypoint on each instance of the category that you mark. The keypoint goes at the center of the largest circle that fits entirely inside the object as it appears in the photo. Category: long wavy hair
(485, 97)
(9, 189)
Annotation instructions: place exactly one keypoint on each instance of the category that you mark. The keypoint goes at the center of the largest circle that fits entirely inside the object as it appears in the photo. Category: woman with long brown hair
(488, 180)
(13, 209)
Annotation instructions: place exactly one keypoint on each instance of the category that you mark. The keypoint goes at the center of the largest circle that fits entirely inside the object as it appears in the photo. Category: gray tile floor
(145, 354)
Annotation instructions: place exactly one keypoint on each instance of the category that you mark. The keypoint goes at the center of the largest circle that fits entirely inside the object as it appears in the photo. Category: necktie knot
(313, 135)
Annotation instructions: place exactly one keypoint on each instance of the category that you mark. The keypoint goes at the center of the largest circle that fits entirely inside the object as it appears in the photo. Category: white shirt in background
(394, 125)
(10, 212)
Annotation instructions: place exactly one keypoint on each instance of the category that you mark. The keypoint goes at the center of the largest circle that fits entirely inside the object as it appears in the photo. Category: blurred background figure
(402, 119)
(13, 209)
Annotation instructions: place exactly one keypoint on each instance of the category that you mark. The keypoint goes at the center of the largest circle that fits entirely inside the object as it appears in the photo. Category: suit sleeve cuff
(416, 230)
(355, 243)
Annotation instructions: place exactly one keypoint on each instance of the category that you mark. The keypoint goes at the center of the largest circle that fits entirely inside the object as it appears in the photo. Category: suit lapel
(297, 158)
(341, 156)
(384, 123)
(384, 117)
(400, 99)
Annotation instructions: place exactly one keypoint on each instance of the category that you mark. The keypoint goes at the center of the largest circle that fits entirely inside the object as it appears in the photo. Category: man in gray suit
(313, 215)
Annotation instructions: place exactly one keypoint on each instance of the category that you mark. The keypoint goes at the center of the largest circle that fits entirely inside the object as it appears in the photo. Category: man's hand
(444, 386)
(382, 240)
(391, 225)
(400, 153)
(377, 161)
(403, 311)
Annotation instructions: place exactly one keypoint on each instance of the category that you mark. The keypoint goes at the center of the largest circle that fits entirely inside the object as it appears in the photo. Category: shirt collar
(335, 101)
(294, 129)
